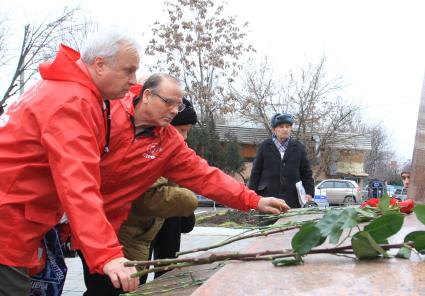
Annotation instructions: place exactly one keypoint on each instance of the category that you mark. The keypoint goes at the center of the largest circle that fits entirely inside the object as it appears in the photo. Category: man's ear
(99, 65)
(146, 94)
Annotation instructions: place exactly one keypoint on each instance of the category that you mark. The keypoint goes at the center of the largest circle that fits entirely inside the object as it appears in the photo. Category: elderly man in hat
(280, 163)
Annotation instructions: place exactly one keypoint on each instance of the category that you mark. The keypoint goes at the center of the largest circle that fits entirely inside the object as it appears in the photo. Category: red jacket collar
(66, 67)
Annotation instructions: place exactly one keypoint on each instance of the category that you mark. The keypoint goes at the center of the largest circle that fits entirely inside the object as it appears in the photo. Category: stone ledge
(320, 275)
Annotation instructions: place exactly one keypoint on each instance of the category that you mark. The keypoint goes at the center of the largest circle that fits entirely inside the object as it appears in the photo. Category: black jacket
(167, 241)
(273, 176)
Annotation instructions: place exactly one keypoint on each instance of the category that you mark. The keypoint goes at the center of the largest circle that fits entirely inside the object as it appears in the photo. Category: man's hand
(272, 205)
(120, 275)
(308, 197)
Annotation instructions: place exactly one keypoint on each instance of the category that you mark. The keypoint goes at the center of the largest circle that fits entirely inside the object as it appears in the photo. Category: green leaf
(404, 253)
(367, 212)
(322, 240)
(418, 238)
(365, 247)
(384, 204)
(335, 236)
(334, 221)
(385, 226)
(350, 218)
(306, 238)
(419, 210)
(287, 262)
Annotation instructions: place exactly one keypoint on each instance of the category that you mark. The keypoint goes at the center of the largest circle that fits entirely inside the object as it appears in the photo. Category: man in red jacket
(51, 141)
(144, 146)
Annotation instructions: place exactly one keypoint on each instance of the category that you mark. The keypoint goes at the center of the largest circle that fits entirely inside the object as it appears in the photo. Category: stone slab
(320, 274)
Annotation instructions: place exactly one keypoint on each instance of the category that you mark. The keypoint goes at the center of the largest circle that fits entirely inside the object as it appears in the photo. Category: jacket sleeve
(193, 172)
(188, 223)
(164, 199)
(257, 168)
(306, 173)
(73, 140)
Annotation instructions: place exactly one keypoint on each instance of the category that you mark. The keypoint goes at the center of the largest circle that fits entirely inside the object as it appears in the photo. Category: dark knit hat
(281, 118)
(187, 116)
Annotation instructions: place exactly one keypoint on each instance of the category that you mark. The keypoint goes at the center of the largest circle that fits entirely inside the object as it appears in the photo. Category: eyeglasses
(171, 103)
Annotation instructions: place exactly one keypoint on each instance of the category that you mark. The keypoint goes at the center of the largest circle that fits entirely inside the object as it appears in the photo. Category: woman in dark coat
(280, 163)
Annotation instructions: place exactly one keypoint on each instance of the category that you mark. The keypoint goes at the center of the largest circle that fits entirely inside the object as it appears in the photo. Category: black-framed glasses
(170, 102)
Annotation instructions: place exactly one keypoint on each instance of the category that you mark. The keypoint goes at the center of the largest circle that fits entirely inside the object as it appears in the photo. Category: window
(340, 185)
(327, 185)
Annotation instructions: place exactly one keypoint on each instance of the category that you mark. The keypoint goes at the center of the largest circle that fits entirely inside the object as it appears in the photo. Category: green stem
(237, 238)
(169, 264)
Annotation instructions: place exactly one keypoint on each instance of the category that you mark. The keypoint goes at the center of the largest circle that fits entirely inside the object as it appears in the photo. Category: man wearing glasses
(144, 146)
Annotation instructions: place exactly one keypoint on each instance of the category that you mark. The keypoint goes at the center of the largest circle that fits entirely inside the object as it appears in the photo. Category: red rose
(373, 202)
(406, 206)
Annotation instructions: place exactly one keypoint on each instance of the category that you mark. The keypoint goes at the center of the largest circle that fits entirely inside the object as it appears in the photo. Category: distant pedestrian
(405, 174)
(280, 163)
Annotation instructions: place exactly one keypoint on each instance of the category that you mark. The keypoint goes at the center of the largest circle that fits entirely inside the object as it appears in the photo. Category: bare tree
(261, 94)
(321, 115)
(202, 47)
(39, 43)
(4, 29)
(379, 157)
(76, 28)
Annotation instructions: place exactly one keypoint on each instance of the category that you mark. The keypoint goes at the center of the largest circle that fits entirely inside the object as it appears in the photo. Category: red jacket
(51, 140)
(134, 164)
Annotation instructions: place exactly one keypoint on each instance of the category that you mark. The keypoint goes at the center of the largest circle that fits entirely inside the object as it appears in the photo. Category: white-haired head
(105, 44)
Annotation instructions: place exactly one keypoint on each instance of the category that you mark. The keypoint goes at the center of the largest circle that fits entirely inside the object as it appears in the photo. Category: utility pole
(416, 188)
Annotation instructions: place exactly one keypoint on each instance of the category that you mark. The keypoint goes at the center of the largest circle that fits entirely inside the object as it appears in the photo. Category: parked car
(400, 194)
(206, 202)
(365, 193)
(339, 191)
(390, 189)
(320, 201)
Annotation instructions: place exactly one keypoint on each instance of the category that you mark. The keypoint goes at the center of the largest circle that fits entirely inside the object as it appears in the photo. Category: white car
(390, 189)
(400, 194)
(339, 191)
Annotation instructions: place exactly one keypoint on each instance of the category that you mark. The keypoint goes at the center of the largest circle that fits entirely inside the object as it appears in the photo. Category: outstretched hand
(272, 205)
(121, 276)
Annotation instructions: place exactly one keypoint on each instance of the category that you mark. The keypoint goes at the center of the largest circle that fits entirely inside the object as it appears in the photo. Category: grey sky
(377, 45)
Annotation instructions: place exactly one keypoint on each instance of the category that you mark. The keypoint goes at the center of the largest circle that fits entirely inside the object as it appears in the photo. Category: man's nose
(133, 79)
(175, 110)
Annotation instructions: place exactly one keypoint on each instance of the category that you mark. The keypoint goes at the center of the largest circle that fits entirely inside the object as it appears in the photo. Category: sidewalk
(199, 237)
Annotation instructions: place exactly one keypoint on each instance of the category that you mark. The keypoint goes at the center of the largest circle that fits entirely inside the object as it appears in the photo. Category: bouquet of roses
(405, 206)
